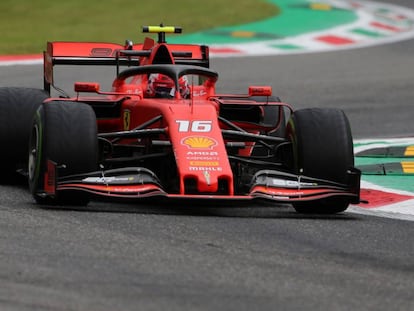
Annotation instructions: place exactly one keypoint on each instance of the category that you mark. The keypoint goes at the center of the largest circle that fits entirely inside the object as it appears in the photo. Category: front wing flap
(133, 182)
(285, 187)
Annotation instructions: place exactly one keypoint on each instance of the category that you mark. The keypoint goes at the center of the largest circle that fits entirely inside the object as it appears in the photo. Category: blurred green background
(26, 25)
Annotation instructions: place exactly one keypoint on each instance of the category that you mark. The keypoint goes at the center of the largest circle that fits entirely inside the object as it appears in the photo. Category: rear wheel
(65, 133)
(17, 108)
(322, 148)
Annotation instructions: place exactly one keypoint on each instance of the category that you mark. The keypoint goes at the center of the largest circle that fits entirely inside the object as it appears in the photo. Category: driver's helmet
(184, 87)
(162, 86)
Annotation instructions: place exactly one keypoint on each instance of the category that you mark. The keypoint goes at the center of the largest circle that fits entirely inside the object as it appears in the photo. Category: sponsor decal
(202, 153)
(290, 183)
(127, 119)
(281, 194)
(278, 197)
(50, 178)
(204, 163)
(200, 93)
(199, 142)
(202, 158)
(109, 180)
(101, 52)
(136, 91)
(205, 168)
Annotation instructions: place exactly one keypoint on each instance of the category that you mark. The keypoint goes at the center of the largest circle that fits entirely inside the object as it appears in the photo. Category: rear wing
(112, 54)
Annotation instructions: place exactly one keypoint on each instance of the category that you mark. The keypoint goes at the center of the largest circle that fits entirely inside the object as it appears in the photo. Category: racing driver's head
(162, 86)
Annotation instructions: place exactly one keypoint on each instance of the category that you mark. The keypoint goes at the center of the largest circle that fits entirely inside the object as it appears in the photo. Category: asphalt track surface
(117, 257)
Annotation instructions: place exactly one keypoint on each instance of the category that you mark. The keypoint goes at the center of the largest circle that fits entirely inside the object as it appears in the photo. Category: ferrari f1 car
(162, 132)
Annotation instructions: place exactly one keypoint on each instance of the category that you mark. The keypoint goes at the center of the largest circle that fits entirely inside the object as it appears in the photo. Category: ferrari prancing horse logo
(127, 119)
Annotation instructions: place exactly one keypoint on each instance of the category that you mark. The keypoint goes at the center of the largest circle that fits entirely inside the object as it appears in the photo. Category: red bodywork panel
(198, 146)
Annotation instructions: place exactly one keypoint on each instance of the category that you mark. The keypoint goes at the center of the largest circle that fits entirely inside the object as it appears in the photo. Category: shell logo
(199, 142)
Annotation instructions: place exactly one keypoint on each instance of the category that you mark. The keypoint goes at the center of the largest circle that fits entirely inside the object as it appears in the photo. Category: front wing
(136, 183)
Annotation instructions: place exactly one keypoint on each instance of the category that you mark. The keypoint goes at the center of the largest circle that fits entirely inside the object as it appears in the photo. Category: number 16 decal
(197, 126)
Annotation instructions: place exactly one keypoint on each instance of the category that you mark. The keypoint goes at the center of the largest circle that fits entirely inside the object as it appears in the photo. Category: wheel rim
(34, 153)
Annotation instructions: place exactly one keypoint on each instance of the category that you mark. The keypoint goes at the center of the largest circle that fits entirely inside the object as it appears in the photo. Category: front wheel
(322, 148)
(65, 133)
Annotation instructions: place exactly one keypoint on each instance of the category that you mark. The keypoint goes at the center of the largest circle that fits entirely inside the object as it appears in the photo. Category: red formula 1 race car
(163, 132)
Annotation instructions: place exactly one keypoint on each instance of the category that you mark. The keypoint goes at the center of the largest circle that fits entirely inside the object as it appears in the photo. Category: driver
(162, 86)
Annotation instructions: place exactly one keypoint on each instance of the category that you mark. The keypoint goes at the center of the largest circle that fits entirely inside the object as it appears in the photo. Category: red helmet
(162, 86)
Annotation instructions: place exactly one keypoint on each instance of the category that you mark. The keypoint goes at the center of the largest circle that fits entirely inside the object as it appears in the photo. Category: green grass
(26, 25)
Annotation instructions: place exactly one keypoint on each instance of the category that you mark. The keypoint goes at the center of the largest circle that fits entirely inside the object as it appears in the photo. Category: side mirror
(87, 87)
(260, 91)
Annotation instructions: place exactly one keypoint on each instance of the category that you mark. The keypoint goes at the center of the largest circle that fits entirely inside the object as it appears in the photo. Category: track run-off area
(322, 26)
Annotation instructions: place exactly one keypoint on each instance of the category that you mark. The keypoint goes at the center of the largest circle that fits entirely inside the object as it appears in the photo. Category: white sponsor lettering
(203, 168)
(202, 153)
(106, 180)
(290, 183)
(197, 126)
(203, 158)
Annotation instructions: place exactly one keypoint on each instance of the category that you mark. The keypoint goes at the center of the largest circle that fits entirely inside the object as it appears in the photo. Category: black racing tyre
(65, 133)
(322, 148)
(17, 108)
